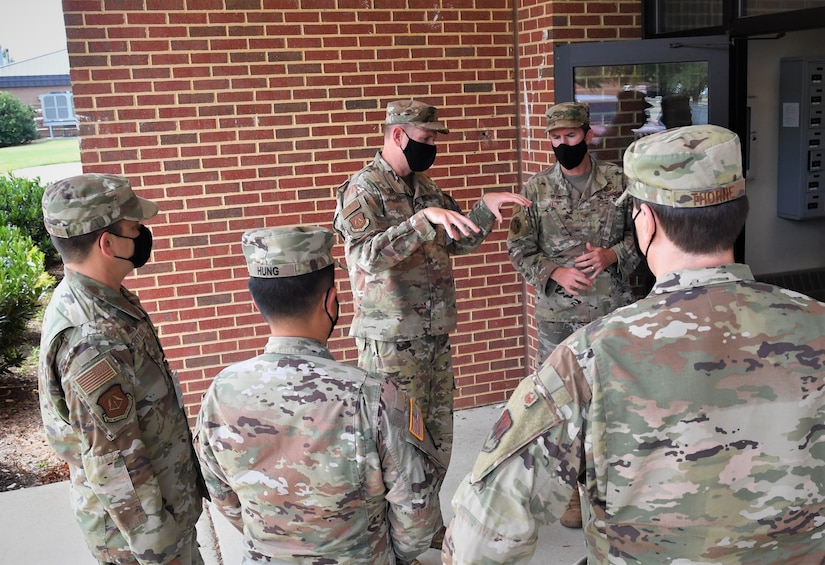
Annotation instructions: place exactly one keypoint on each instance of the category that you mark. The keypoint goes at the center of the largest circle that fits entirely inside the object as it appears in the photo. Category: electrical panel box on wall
(800, 181)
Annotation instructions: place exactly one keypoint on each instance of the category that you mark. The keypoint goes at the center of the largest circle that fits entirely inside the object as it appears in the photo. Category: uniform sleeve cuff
(422, 226)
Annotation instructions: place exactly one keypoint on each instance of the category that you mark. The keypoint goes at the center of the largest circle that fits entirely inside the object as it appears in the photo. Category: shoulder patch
(359, 222)
(357, 214)
(528, 413)
(517, 226)
(501, 427)
(96, 376)
(416, 421)
(351, 207)
(115, 403)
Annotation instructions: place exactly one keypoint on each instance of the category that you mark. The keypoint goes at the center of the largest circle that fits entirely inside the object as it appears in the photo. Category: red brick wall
(236, 114)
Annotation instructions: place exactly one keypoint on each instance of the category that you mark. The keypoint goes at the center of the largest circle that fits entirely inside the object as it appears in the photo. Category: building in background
(251, 113)
(43, 83)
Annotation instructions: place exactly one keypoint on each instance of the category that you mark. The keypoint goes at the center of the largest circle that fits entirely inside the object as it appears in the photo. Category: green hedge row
(20, 205)
(25, 251)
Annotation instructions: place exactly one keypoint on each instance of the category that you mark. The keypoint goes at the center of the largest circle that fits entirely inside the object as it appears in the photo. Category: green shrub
(22, 284)
(17, 125)
(20, 206)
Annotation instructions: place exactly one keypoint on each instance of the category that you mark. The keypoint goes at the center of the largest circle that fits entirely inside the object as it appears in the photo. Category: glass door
(635, 88)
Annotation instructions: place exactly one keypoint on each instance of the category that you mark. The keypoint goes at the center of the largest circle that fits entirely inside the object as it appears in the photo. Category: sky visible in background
(32, 28)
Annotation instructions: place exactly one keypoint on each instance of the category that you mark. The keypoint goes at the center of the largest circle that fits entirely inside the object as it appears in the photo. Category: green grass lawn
(40, 152)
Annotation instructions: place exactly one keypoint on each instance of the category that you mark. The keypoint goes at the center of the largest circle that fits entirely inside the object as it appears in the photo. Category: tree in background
(17, 125)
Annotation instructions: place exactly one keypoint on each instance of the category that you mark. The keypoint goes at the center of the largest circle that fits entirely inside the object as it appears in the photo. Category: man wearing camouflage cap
(314, 461)
(571, 242)
(695, 414)
(110, 405)
(399, 231)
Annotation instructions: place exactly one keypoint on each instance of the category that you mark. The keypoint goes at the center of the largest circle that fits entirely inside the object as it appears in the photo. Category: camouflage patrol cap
(685, 167)
(86, 203)
(568, 115)
(416, 113)
(287, 251)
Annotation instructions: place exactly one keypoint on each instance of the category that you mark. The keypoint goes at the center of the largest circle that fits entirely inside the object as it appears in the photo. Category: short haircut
(76, 249)
(388, 128)
(290, 297)
(708, 229)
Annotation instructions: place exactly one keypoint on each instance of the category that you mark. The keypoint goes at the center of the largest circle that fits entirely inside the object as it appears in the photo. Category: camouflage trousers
(423, 368)
(550, 334)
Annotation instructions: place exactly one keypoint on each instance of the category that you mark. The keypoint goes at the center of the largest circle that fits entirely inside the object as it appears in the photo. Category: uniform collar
(693, 278)
(124, 300)
(297, 346)
(598, 179)
(398, 184)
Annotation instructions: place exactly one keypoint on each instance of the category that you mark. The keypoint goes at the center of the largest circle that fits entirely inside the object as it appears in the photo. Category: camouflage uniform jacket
(399, 264)
(553, 231)
(111, 410)
(317, 462)
(697, 416)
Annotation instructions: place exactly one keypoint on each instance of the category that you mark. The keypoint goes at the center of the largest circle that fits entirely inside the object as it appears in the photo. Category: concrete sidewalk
(50, 173)
(37, 526)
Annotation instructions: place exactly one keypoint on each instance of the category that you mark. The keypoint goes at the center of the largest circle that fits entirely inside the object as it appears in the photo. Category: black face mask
(571, 156)
(143, 247)
(334, 321)
(420, 156)
(636, 236)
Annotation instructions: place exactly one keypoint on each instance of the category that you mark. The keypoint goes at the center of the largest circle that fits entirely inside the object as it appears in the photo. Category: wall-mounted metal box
(800, 181)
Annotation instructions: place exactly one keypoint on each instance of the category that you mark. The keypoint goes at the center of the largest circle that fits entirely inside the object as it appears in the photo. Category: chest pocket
(605, 211)
(567, 226)
(398, 207)
(153, 378)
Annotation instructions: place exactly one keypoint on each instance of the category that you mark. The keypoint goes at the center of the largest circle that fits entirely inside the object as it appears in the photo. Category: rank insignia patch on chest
(115, 403)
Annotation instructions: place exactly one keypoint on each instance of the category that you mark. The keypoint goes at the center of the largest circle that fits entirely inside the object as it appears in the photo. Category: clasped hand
(580, 278)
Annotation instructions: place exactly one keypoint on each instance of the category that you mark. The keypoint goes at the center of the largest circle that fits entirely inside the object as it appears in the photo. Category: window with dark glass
(675, 16)
(630, 101)
(768, 7)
